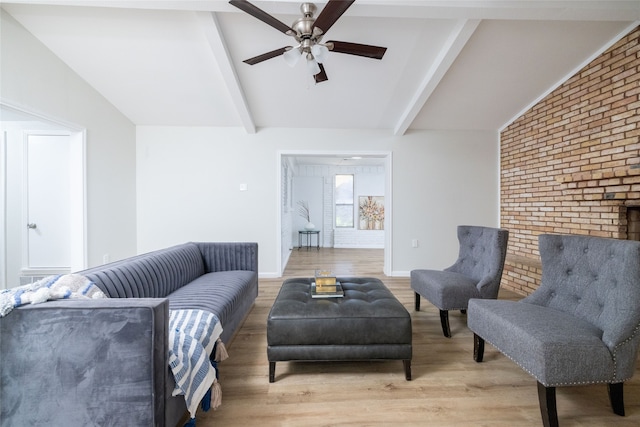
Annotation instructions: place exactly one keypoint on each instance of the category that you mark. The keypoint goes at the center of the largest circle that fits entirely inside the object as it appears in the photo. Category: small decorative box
(325, 278)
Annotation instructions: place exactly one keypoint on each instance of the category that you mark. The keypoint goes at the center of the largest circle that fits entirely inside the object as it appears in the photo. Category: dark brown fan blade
(321, 76)
(330, 14)
(265, 56)
(366, 50)
(260, 14)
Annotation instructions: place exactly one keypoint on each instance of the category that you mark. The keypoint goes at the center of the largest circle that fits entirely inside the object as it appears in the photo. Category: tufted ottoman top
(367, 314)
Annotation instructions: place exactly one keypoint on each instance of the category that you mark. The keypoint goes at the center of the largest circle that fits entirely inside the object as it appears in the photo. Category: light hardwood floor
(448, 387)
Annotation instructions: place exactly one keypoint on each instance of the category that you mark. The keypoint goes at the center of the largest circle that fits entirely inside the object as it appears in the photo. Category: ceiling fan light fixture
(308, 31)
(312, 65)
(292, 56)
(320, 52)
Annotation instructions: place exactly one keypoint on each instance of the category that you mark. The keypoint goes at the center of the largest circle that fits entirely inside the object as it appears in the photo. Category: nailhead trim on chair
(615, 350)
(569, 383)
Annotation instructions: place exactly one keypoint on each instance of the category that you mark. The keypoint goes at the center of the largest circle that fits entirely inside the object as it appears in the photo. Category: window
(344, 200)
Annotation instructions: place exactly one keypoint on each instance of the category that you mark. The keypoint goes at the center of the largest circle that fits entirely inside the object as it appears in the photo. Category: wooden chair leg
(616, 397)
(417, 301)
(478, 348)
(548, 410)
(444, 320)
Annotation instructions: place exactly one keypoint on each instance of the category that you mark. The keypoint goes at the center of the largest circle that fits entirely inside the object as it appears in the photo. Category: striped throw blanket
(192, 337)
(65, 286)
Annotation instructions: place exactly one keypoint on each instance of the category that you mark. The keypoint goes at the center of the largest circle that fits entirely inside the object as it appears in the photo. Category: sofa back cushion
(151, 275)
(593, 278)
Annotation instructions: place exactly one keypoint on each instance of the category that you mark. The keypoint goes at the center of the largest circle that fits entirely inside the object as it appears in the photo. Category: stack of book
(326, 285)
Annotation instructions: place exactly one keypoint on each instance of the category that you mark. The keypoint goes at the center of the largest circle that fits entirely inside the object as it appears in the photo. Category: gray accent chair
(579, 327)
(475, 274)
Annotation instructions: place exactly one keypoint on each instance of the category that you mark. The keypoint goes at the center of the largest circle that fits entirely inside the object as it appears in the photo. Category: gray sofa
(104, 362)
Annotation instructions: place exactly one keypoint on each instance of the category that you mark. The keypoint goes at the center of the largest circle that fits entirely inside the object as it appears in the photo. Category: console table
(308, 235)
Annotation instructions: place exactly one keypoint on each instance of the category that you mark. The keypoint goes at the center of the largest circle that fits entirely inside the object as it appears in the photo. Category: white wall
(441, 180)
(13, 204)
(35, 80)
(189, 187)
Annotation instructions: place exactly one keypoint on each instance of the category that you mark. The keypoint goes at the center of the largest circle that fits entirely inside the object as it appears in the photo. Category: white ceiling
(449, 65)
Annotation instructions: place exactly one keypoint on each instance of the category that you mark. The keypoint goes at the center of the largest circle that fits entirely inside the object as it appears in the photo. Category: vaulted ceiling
(449, 64)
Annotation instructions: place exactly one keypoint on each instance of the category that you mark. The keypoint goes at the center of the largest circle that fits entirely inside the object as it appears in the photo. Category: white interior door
(48, 204)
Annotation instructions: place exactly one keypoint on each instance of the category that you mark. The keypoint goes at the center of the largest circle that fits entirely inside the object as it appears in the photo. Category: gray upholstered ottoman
(368, 323)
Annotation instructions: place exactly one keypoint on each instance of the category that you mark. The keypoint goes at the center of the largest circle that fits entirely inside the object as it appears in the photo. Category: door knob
(32, 226)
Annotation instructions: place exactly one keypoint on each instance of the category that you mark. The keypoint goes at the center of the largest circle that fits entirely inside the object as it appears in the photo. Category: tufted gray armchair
(475, 274)
(581, 326)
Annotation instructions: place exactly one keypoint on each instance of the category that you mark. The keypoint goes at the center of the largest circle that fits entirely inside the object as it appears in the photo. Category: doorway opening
(42, 197)
(323, 166)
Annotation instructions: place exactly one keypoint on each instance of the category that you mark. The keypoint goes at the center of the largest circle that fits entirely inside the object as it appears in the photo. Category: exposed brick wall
(571, 163)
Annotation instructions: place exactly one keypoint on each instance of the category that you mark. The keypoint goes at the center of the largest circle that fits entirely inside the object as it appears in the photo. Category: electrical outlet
(106, 258)
(414, 243)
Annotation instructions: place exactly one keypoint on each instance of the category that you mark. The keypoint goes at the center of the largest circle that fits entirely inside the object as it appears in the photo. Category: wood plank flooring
(448, 387)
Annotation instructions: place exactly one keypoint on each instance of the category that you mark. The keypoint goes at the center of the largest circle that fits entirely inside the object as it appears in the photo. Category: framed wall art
(371, 212)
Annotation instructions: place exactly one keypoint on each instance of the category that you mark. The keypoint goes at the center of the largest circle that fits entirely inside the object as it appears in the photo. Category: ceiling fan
(308, 32)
